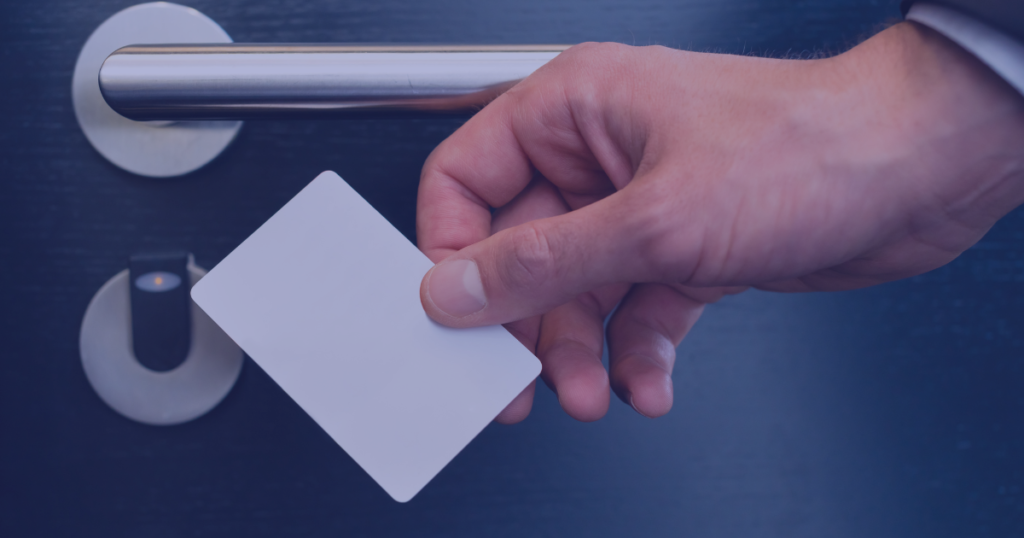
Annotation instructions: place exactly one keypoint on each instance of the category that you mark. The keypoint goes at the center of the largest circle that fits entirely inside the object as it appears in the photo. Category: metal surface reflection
(235, 81)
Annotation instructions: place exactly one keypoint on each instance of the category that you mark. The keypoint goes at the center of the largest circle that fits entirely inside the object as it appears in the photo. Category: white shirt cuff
(995, 49)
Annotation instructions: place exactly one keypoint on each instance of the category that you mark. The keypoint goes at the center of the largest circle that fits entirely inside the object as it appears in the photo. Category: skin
(658, 181)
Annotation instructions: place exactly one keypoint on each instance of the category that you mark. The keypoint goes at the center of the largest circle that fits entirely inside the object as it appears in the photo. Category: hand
(659, 180)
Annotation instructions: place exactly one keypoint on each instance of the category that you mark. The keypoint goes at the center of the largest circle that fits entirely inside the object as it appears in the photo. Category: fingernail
(635, 408)
(455, 287)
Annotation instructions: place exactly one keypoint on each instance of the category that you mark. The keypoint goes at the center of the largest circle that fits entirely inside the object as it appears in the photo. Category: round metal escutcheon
(154, 149)
(196, 386)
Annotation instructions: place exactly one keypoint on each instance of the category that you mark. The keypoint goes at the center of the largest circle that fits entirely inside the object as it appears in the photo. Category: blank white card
(325, 298)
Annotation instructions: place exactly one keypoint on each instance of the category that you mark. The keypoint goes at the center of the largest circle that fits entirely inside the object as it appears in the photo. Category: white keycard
(324, 296)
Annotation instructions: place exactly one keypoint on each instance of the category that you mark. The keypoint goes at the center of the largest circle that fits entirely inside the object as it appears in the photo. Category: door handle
(159, 89)
(256, 81)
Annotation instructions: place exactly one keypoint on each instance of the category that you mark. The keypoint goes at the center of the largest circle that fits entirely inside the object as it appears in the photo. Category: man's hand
(658, 180)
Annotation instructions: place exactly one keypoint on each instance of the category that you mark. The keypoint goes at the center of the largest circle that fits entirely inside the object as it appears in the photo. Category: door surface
(888, 412)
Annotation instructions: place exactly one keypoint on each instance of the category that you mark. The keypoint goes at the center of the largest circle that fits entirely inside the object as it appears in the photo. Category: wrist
(955, 129)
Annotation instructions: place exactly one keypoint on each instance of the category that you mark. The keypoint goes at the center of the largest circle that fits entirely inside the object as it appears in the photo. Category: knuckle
(530, 263)
(580, 75)
(582, 50)
(594, 49)
(595, 58)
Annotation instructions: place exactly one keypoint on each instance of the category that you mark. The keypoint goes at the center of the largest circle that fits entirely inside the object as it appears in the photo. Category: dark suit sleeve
(1006, 15)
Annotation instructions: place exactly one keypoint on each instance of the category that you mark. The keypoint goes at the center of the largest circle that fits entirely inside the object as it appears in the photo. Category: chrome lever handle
(257, 81)
(178, 75)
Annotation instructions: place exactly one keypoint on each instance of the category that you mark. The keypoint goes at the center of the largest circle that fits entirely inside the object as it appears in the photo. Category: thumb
(532, 268)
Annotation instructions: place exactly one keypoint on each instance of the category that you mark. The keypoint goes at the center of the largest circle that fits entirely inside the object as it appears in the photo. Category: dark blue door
(894, 411)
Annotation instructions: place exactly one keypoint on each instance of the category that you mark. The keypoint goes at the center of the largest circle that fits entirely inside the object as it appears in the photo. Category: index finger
(480, 166)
